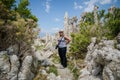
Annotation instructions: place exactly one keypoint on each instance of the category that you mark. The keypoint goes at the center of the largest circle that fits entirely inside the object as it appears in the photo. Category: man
(62, 48)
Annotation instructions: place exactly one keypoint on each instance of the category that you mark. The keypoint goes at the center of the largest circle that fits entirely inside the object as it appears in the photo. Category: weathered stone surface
(12, 75)
(26, 73)
(46, 62)
(70, 24)
(10, 68)
(4, 62)
(118, 46)
(13, 49)
(96, 14)
(102, 61)
(4, 65)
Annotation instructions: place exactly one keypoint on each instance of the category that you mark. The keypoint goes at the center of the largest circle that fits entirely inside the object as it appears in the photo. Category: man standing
(62, 48)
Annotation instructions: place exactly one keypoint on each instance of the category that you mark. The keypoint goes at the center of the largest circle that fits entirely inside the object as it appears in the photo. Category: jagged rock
(41, 55)
(111, 71)
(12, 75)
(118, 46)
(4, 62)
(102, 62)
(45, 62)
(10, 68)
(13, 49)
(26, 73)
(4, 65)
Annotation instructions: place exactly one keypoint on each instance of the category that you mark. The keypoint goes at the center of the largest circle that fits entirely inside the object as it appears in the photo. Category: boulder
(102, 61)
(12, 75)
(46, 62)
(25, 72)
(13, 49)
(4, 65)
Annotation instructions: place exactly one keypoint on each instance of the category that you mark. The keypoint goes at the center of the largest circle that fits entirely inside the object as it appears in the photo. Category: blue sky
(51, 12)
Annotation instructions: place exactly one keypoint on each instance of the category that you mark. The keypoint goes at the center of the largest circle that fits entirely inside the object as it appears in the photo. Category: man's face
(61, 33)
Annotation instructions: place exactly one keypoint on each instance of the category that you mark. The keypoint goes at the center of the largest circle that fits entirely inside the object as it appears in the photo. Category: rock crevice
(10, 67)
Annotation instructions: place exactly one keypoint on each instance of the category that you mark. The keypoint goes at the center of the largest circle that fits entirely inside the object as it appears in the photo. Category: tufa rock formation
(11, 69)
(102, 61)
(70, 24)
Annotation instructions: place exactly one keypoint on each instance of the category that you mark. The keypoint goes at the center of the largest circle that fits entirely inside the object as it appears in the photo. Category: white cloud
(57, 19)
(105, 2)
(90, 5)
(47, 6)
(76, 6)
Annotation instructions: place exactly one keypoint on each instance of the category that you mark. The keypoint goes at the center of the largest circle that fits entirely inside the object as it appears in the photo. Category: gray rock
(4, 65)
(12, 75)
(51, 76)
(26, 73)
(10, 68)
(102, 62)
(118, 46)
(13, 49)
(4, 62)
(45, 62)
(111, 71)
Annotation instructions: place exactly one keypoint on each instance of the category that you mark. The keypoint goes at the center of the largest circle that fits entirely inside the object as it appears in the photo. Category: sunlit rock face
(70, 24)
(102, 61)
(12, 69)
(96, 14)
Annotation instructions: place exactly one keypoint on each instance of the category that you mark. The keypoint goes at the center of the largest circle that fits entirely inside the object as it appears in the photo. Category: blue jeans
(62, 54)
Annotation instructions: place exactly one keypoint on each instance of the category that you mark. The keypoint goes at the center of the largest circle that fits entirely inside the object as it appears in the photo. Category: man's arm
(67, 39)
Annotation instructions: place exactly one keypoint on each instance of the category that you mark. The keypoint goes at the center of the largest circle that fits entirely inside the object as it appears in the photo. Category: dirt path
(64, 73)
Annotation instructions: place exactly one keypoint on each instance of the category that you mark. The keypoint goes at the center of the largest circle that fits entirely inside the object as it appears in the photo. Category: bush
(81, 40)
(15, 29)
(79, 45)
(113, 22)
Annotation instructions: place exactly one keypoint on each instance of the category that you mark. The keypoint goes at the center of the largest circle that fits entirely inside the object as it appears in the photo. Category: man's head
(61, 33)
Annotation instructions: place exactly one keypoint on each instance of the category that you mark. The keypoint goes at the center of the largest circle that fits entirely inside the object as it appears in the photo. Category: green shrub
(53, 69)
(79, 45)
(113, 21)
